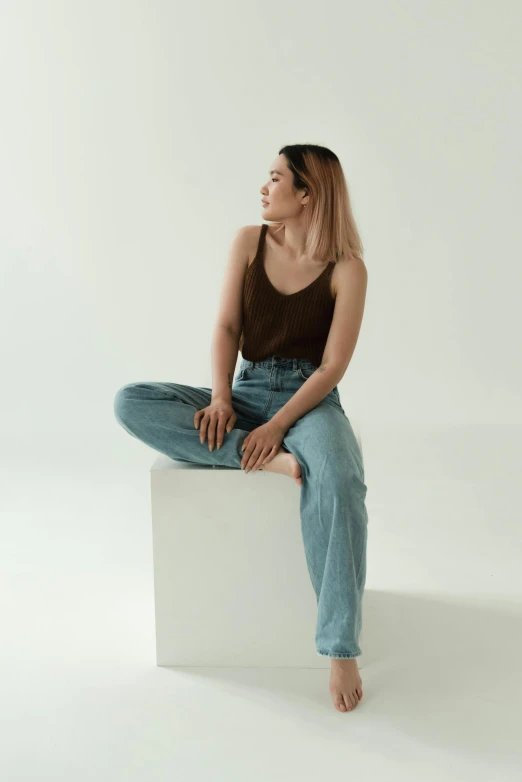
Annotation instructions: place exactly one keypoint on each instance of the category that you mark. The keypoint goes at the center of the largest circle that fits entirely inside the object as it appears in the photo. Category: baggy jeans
(333, 513)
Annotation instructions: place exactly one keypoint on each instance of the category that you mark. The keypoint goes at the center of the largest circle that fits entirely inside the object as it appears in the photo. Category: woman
(292, 301)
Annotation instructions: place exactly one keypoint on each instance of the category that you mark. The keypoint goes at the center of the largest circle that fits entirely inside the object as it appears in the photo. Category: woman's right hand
(212, 421)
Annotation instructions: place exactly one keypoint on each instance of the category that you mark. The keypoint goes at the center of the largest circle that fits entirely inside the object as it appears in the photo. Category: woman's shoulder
(348, 271)
(252, 235)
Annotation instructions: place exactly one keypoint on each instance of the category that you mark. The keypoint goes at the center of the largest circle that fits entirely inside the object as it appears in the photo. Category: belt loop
(294, 365)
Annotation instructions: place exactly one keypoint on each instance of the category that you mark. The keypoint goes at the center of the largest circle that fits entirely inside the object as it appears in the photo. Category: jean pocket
(305, 371)
(244, 372)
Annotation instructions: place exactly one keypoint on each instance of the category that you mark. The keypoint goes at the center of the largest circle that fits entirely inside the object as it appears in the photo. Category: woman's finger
(211, 433)
(248, 448)
(203, 425)
(254, 457)
(220, 430)
(271, 454)
(262, 458)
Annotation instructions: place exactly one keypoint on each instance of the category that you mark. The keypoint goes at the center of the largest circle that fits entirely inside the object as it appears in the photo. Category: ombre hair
(331, 233)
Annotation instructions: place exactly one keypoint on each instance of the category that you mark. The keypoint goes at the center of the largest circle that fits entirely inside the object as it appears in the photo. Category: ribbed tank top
(291, 326)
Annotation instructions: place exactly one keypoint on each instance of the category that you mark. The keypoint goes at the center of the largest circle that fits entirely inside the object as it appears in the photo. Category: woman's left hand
(261, 445)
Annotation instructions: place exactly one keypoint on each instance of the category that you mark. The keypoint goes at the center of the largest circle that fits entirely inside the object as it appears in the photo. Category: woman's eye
(275, 180)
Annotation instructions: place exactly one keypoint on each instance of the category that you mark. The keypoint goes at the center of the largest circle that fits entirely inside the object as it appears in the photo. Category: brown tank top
(291, 326)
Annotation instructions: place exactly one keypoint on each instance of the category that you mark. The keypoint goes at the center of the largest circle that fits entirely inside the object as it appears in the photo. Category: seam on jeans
(270, 395)
(320, 483)
(338, 654)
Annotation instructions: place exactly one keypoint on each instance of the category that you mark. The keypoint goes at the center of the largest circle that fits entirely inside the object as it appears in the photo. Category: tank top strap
(261, 242)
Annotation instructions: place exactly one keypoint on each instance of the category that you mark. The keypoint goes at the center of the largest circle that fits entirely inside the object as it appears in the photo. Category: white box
(231, 584)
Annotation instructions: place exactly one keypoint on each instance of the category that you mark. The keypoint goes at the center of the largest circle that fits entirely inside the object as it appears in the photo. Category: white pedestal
(231, 584)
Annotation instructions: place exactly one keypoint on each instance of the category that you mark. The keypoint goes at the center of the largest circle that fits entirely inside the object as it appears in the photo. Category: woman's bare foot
(285, 463)
(345, 683)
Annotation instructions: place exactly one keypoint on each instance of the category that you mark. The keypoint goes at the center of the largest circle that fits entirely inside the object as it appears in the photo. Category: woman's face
(281, 200)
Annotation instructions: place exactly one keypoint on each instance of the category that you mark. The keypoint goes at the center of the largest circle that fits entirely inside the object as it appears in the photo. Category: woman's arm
(229, 319)
(224, 356)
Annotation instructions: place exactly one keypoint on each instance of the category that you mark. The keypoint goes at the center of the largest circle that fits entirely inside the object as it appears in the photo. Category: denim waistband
(279, 361)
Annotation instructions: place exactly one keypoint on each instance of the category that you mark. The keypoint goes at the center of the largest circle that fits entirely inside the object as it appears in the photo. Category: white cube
(231, 584)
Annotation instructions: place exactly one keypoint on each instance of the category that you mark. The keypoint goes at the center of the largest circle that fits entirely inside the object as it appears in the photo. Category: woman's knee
(341, 470)
(122, 402)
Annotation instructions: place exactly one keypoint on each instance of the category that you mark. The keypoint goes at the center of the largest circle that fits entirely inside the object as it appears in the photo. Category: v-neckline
(261, 259)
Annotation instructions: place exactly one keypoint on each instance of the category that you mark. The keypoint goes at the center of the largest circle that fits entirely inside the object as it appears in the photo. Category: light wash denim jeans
(332, 495)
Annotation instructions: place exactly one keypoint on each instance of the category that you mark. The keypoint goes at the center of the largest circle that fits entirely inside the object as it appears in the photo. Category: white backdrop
(134, 140)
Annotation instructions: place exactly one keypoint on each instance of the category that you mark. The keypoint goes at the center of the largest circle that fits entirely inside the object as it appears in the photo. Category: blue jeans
(333, 513)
